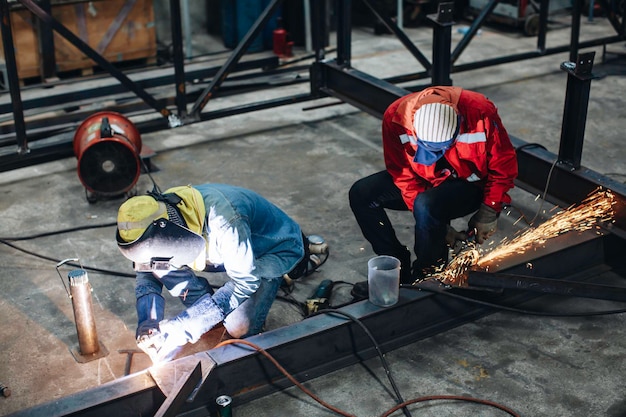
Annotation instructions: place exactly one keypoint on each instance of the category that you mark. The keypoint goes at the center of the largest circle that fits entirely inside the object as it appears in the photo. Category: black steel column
(13, 78)
(319, 27)
(442, 41)
(47, 65)
(344, 32)
(575, 111)
(179, 58)
(575, 33)
(543, 24)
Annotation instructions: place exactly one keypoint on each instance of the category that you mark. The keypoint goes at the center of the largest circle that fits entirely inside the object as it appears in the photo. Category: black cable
(399, 398)
(545, 190)
(155, 187)
(511, 309)
(58, 232)
(88, 268)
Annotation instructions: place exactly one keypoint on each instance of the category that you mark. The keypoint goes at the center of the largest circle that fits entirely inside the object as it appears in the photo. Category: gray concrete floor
(304, 158)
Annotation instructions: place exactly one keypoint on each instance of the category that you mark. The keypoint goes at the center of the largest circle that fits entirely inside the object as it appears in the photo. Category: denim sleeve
(146, 283)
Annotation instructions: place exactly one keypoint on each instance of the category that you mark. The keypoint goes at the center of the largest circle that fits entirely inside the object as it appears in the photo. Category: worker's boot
(315, 254)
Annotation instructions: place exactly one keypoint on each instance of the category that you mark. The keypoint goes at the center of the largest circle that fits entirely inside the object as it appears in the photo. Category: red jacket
(483, 152)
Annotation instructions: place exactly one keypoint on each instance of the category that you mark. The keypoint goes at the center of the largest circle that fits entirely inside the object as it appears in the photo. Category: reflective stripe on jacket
(483, 152)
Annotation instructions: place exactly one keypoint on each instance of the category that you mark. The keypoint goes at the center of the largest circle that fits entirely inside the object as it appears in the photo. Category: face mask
(428, 152)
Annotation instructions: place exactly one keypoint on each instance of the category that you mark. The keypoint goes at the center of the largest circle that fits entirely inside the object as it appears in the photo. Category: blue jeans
(433, 210)
(245, 320)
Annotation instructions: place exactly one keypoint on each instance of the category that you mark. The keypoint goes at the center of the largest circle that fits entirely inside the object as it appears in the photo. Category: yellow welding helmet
(164, 226)
(136, 214)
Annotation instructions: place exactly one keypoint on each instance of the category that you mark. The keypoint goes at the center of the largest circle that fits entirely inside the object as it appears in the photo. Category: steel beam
(333, 340)
(498, 281)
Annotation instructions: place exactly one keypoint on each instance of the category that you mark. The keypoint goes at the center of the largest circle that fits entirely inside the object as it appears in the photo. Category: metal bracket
(182, 378)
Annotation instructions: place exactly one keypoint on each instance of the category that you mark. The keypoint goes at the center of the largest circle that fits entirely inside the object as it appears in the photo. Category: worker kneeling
(215, 228)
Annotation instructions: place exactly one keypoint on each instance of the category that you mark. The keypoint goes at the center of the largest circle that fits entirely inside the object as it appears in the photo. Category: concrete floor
(304, 158)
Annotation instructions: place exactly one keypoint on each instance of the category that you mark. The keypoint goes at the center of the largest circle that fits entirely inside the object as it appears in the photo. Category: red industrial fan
(108, 147)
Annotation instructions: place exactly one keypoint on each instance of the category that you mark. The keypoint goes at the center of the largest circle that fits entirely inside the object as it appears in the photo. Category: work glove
(187, 327)
(162, 344)
(484, 222)
(453, 236)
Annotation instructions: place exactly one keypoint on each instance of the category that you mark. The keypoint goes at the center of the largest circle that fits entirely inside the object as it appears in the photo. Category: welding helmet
(436, 128)
(161, 231)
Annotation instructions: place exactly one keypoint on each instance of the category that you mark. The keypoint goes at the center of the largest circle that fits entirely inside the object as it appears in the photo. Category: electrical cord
(401, 403)
(286, 373)
(511, 309)
(545, 190)
(453, 398)
(58, 232)
(381, 355)
(48, 258)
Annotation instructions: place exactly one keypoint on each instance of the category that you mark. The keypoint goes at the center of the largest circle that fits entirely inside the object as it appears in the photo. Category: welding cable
(381, 355)
(284, 372)
(146, 169)
(417, 287)
(58, 232)
(545, 190)
(88, 268)
(453, 398)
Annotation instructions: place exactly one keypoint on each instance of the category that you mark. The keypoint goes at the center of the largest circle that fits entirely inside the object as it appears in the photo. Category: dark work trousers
(433, 210)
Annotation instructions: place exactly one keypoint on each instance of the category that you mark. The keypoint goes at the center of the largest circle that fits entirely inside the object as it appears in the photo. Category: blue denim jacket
(251, 237)
(248, 237)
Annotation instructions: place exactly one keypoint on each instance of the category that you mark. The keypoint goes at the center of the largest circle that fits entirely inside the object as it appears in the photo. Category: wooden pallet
(119, 30)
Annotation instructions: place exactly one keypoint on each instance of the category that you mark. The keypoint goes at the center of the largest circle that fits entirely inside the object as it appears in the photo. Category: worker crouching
(210, 227)
(447, 155)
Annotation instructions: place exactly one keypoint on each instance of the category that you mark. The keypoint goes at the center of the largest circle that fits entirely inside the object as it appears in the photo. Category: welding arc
(454, 398)
(284, 372)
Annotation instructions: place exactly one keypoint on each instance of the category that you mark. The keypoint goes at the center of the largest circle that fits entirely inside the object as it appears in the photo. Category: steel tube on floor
(80, 292)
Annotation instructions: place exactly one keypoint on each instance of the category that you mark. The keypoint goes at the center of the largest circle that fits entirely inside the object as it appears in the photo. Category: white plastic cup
(383, 278)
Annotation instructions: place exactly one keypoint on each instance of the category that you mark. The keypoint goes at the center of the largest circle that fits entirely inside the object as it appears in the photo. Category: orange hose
(287, 374)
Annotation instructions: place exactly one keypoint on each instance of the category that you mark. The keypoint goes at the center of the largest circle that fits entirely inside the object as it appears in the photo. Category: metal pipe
(308, 41)
(80, 292)
(186, 18)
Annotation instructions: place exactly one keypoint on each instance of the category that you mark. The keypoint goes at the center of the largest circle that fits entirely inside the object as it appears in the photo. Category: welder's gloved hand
(485, 222)
(172, 335)
(149, 342)
(185, 328)
(453, 236)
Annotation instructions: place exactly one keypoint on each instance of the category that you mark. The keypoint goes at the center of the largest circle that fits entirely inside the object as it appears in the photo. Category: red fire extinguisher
(282, 48)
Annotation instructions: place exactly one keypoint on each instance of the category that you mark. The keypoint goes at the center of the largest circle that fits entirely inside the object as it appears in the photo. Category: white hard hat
(436, 123)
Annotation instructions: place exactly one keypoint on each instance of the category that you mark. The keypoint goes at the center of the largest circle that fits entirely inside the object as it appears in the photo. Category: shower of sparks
(595, 209)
